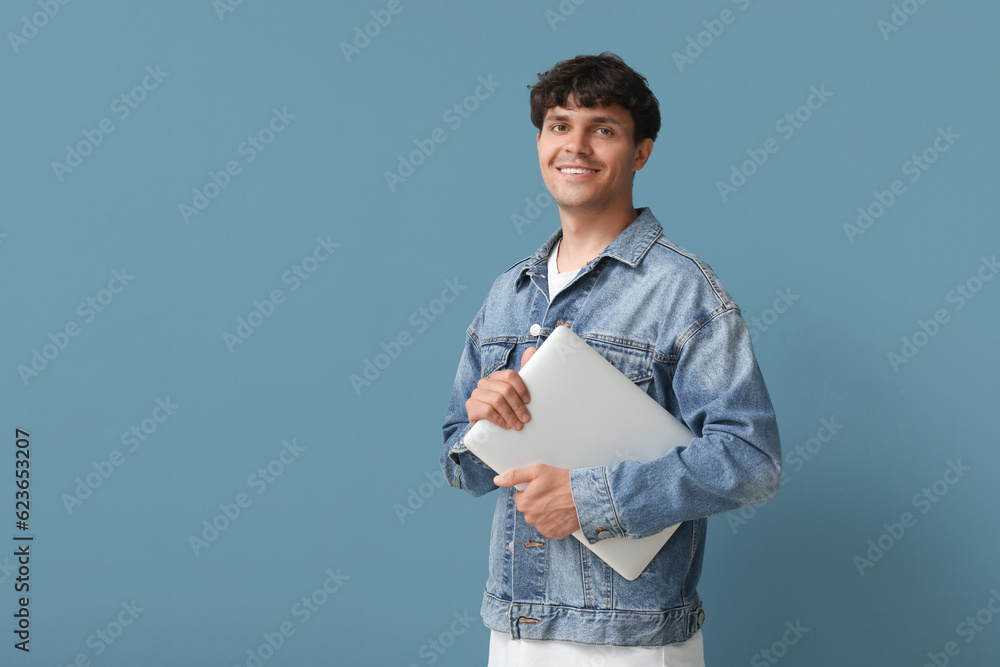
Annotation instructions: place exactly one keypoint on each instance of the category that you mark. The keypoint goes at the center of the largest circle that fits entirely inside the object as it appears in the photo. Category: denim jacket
(661, 317)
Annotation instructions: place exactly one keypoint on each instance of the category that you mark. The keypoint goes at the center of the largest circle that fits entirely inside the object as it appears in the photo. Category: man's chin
(579, 204)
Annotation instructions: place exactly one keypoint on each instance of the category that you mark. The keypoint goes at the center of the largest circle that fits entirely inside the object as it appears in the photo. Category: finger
(513, 395)
(489, 402)
(506, 402)
(514, 381)
(512, 477)
(516, 393)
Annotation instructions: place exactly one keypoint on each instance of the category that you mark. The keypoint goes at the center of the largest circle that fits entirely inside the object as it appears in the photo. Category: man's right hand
(501, 398)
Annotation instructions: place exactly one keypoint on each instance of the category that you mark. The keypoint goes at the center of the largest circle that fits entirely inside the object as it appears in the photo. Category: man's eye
(558, 127)
(605, 130)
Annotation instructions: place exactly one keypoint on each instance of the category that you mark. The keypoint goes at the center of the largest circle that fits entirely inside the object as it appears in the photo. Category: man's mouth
(576, 170)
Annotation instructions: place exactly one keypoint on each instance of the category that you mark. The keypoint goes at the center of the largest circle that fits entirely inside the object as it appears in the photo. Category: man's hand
(547, 503)
(501, 398)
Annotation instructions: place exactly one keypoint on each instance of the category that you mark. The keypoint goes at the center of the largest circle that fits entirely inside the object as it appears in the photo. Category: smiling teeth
(572, 170)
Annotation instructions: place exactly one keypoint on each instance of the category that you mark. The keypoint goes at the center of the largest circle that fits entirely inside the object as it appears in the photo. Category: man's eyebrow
(597, 120)
(607, 120)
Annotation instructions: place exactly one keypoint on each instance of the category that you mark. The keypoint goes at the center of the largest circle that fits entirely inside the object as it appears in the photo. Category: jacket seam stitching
(586, 579)
(622, 342)
(694, 544)
(697, 262)
(680, 610)
(611, 500)
(696, 328)
(597, 271)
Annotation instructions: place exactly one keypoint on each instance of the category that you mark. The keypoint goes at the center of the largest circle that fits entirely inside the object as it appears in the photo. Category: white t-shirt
(558, 280)
(507, 652)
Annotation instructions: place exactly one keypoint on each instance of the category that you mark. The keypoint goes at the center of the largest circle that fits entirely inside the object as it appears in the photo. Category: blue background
(360, 497)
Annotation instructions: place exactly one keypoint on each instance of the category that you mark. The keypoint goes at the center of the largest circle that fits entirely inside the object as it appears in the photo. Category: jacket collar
(629, 247)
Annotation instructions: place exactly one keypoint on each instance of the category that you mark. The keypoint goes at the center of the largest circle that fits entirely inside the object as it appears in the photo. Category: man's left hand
(547, 503)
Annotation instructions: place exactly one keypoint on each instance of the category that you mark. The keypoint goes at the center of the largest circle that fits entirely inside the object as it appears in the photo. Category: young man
(661, 317)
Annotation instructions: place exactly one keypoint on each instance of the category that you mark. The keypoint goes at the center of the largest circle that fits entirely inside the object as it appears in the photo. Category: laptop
(584, 412)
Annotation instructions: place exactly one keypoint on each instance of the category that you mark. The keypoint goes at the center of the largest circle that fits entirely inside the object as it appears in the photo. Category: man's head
(596, 120)
(603, 80)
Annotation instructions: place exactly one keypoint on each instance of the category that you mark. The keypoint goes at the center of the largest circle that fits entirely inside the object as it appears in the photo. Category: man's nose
(577, 142)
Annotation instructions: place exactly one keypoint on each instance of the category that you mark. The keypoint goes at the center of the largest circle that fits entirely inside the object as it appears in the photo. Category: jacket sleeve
(734, 460)
(462, 468)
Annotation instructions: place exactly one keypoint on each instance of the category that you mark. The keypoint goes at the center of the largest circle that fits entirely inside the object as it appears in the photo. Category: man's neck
(587, 233)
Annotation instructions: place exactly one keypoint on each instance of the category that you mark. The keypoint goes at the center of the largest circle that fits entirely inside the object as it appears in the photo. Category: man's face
(587, 156)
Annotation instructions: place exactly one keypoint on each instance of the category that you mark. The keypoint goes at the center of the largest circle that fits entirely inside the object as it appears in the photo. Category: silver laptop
(584, 413)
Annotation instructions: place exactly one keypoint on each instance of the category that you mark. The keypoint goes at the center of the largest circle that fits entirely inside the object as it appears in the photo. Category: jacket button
(603, 533)
(535, 329)
(511, 547)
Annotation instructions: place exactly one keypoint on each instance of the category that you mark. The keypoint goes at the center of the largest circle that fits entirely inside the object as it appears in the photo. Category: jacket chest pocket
(631, 358)
(496, 356)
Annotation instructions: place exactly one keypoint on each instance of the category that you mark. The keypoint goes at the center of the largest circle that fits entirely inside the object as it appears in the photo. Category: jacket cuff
(455, 451)
(594, 507)
(470, 472)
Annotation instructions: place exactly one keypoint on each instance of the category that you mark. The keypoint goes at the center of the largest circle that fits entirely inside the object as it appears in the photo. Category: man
(662, 318)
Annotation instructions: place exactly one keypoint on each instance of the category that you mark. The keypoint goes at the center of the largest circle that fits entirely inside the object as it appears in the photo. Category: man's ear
(642, 153)
(538, 137)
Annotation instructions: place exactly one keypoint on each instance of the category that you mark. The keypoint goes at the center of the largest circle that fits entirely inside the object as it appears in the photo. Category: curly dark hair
(603, 80)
